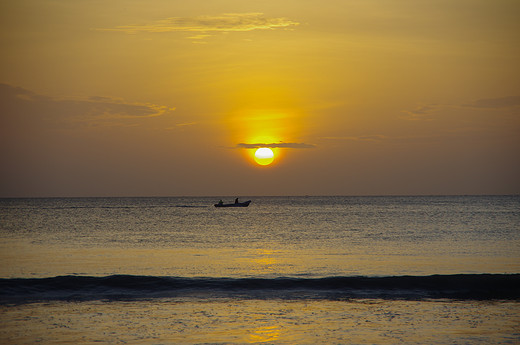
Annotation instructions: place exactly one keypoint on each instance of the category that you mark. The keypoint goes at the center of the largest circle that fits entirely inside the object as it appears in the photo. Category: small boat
(236, 204)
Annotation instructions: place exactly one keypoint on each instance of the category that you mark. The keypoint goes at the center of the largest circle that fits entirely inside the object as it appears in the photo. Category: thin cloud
(496, 103)
(422, 112)
(186, 124)
(181, 125)
(199, 37)
(20, 103)
(276, 145)
(425, 112)
(228, 22)
(373, 137)
(385, 139)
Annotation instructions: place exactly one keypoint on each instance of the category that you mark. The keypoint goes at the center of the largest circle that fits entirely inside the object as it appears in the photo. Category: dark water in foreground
(284, 270)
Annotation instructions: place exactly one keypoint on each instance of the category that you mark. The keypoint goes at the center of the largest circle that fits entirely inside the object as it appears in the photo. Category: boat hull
(240, 204)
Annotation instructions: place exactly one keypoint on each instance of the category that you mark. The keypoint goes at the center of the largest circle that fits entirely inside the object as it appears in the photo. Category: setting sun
(264, 156)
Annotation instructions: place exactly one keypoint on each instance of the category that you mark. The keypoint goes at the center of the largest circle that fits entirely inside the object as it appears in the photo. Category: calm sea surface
(285, 270)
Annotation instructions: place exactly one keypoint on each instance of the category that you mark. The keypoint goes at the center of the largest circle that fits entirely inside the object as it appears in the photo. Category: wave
(127, 287)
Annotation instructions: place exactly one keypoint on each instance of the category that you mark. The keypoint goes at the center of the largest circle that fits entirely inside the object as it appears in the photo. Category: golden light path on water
(24, 258)
(255, 321)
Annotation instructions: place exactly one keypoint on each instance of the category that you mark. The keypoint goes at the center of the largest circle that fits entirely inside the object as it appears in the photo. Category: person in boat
(236, 201)
(221, 202)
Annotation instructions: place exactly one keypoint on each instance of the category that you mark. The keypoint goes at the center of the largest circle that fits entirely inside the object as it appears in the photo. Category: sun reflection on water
(264, 334)
(263, 261)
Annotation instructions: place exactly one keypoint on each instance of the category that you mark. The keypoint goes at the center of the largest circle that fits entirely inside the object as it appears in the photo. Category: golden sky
(166, 98)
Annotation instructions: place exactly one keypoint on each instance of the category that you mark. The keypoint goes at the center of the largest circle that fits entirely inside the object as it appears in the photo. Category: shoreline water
(246, 321)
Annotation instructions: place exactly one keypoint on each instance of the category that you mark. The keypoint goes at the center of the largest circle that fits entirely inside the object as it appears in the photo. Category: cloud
(496, 103)
(379, 139)
(424, 112)
(421, 112)
(228, 22)
(18, 104)
(373, 137)
(182, 125)
(277, 145)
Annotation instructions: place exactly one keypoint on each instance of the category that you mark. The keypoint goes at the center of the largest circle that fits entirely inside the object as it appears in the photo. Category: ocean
(285, 270)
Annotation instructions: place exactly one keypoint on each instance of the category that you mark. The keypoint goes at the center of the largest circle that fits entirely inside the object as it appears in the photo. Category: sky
(172, 98)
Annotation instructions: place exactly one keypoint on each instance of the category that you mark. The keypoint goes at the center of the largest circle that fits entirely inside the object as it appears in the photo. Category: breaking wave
(127, 287)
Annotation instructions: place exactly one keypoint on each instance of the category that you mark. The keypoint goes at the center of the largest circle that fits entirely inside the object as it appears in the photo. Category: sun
(264, 156)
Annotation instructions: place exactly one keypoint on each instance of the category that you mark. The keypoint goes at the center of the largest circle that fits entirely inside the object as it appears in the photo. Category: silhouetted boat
(236, 204)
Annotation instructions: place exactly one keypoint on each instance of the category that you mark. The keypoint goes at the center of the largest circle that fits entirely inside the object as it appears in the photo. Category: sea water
(285, 270)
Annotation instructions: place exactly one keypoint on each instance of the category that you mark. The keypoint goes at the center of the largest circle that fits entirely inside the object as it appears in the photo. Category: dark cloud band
(277, 145)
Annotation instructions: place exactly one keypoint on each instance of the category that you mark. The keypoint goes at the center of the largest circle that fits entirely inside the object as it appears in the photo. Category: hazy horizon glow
(170, 99)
